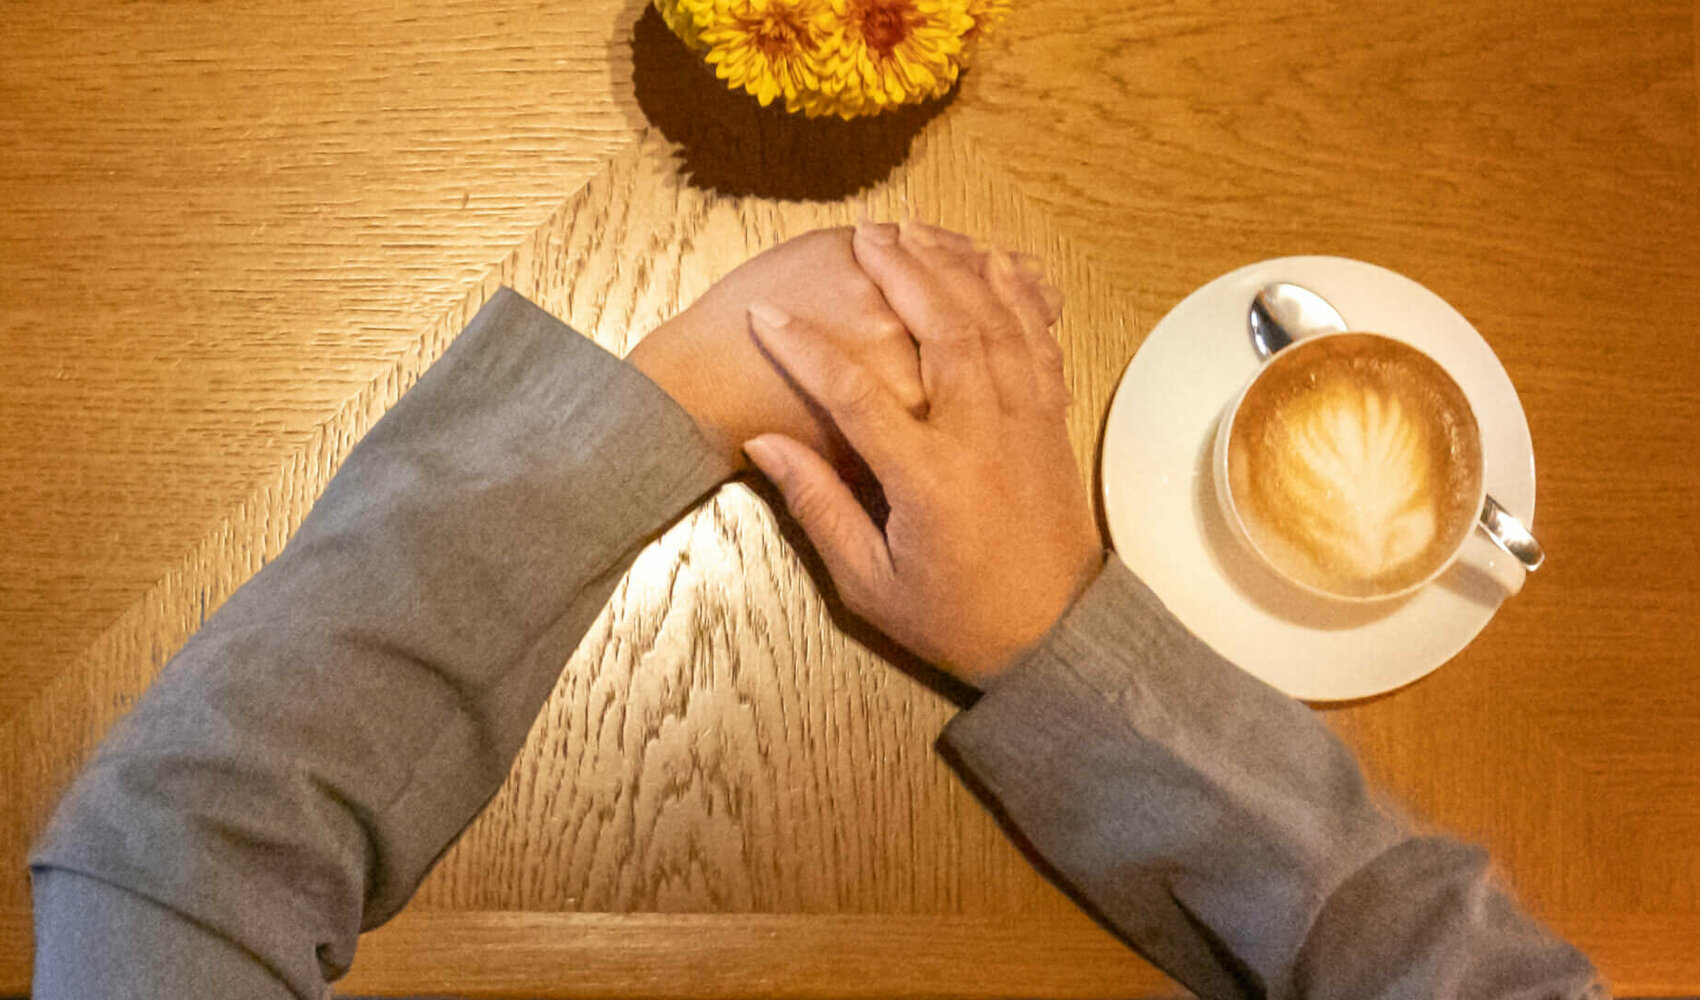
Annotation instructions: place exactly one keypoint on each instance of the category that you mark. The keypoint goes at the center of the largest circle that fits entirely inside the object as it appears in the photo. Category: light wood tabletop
(232, 233)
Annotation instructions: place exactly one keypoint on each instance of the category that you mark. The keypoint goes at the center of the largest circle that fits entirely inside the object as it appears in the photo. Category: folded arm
(297, 768)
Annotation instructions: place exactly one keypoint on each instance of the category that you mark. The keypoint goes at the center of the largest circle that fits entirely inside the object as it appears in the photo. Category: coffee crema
(1354, 464)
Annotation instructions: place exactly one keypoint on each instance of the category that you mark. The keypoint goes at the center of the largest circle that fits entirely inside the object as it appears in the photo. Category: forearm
(1223, 830)
(302, 762)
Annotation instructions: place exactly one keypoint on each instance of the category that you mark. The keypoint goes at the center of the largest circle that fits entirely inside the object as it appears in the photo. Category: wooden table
(234, 232)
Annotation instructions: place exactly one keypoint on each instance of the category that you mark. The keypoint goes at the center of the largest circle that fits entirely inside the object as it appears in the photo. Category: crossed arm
(300, 764)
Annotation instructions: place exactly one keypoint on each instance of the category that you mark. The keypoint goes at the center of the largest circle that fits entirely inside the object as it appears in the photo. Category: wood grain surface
(233, 236)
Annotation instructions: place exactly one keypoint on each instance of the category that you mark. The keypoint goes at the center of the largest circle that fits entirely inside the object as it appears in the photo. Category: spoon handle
(1509, 534)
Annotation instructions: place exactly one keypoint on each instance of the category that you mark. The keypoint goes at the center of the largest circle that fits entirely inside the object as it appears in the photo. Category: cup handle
(1503, 549)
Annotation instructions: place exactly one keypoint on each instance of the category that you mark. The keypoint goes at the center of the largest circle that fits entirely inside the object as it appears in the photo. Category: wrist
(1092, 566)
(672, 357)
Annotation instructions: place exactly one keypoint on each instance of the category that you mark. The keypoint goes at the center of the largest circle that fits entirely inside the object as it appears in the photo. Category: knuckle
(851, 388)
(889, 327)
(913, 397)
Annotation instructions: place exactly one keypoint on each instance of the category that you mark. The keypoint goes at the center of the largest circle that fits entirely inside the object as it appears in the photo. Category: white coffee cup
(1474, 548)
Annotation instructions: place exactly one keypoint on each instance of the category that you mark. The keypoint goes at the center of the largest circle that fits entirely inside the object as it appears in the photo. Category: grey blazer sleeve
(298, 767)
(1222, 830)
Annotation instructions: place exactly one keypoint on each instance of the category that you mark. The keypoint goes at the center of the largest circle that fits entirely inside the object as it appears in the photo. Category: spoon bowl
(1282, 312)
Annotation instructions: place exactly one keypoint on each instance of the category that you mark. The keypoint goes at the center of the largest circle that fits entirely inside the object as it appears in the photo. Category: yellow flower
(686, 19)
(770, 48)
(986, 14)
(893, 52)
(834, 57)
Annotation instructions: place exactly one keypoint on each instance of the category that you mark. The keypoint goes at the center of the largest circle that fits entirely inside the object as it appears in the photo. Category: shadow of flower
(732, 145)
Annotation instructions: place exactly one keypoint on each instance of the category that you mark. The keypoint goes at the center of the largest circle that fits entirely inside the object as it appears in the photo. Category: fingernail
(882, 233)
(764, 455)
(1002, 266)
(1053, 299)
(1029, 266)
(768, 316)
(918, 233)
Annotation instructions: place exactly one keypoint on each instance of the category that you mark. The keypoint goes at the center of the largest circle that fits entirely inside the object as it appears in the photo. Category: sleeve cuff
(1203, 813)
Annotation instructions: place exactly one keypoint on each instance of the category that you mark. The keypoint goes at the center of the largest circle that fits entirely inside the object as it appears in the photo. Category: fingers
(1034, 312)
(874, 422)
(971, 301)
(1053, 301)
(1030, 266)
(1023, 362)
(1009, 360)
(912, 288)
(960, 244)
(971, 253)
(953, 358)
(849, 543)
(889, 353)
(1032, 270)
(1000, 311)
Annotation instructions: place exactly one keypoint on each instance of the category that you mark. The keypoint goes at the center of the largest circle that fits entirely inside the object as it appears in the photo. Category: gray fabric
(1225, 832)
(95, 940)
(299, 766)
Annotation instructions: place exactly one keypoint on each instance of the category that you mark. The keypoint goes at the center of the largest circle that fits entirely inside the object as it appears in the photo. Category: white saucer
(1164, 521)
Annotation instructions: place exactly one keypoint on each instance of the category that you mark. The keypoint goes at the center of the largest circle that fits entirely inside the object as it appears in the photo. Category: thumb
(853, 549)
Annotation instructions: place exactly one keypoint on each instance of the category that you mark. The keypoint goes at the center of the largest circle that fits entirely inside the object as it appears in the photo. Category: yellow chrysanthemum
(894, 52)
(686, 18)
(834, 57)
(770, 48)
(986, 14)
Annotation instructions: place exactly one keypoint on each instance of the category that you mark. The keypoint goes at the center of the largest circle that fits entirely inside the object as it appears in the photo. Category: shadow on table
(732, 145)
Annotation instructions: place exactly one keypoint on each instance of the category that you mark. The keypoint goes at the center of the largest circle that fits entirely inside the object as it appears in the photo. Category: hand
(991, 537)
(707, 361)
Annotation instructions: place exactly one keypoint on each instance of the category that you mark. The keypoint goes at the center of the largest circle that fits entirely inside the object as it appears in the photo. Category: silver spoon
(1282, 307)
(1280, 312)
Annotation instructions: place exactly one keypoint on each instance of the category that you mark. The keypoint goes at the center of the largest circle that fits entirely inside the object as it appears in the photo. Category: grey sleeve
(299, 766)
(1222, 830)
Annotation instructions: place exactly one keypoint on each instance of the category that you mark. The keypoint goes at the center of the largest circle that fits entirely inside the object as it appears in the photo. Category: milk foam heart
(1354, 465)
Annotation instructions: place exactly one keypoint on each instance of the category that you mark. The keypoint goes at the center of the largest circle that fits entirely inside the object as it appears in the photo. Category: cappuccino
(1355, 465)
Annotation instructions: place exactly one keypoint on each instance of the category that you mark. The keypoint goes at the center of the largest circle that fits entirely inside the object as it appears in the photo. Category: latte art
(1359, 479)
(1354, 465)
